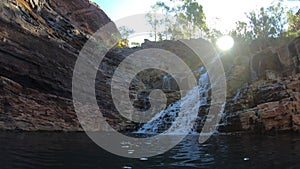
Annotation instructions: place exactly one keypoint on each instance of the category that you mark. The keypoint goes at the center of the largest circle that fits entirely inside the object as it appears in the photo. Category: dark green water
(77, 151)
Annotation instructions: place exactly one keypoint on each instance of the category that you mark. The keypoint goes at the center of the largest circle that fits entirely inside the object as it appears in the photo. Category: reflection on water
(76, 150)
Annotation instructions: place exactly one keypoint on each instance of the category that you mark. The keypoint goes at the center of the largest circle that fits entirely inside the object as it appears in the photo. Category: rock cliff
(269, 106)
(40, 41)
(268, 98)
(39, 44)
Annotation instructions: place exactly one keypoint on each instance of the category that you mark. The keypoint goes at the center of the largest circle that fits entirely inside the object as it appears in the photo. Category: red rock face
(27, 109)
(84, 14)
(271, 103)
(40, 41)
(39, 44)
(280, 113)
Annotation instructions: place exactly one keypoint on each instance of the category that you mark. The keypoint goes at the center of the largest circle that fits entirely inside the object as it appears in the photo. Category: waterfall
(166, 82)
(254, 75)
(180, 110)
(237, 96)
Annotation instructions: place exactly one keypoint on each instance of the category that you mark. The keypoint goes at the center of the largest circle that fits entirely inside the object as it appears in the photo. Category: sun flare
(225, 43)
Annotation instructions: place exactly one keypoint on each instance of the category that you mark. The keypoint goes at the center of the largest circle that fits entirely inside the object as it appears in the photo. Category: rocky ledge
(269, 106)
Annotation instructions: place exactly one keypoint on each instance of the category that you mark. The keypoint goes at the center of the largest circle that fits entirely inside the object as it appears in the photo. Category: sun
(225, 43)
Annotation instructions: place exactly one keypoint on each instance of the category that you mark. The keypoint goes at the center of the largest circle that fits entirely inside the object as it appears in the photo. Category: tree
(189, 20)
(125, 33)
(293, 24)
(267, 22)
(154, 21)
(242, 32)
(214, 34)
(265, 26)
(193, 14)
(136, 44)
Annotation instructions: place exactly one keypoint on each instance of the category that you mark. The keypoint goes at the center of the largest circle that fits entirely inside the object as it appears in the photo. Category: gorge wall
(40, 41)
(266, 95)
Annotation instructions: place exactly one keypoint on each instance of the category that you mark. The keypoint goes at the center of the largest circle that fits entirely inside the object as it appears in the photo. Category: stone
(280, 113)
(271, 75)
(247, 119)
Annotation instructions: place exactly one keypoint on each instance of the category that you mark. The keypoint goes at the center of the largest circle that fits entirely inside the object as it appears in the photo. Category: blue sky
(117, 9)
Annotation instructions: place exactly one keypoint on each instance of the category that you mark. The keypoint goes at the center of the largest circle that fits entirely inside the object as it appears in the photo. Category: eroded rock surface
(270, 106)
(39, 43)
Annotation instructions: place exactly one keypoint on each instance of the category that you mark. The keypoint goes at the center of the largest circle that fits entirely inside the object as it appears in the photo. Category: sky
(220, 14)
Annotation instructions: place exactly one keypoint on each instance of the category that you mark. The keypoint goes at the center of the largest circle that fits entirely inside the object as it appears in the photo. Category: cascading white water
(254, 75)
(166, 82)
(166, 118)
